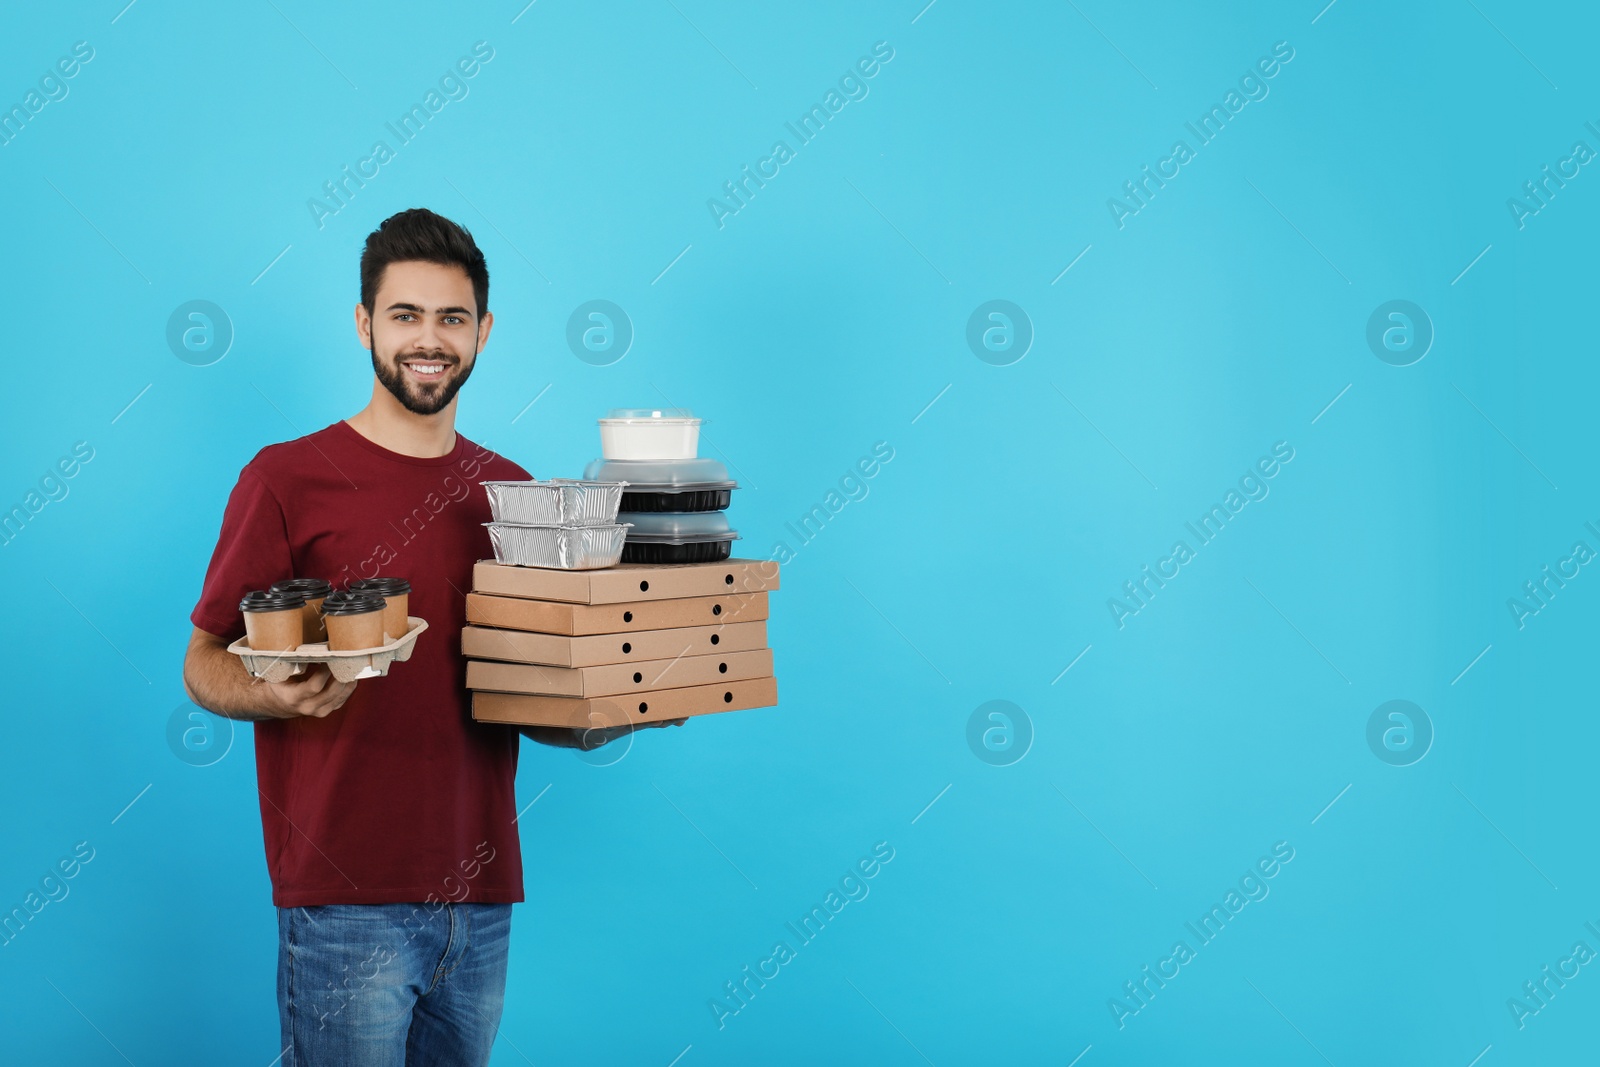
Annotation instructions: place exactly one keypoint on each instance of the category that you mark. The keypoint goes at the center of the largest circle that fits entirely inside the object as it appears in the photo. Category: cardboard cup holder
(345, 666)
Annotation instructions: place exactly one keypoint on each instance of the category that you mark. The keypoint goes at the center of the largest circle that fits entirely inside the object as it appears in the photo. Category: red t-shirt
(399, 796)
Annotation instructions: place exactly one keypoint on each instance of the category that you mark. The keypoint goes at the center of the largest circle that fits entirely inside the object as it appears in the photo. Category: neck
(387, 423)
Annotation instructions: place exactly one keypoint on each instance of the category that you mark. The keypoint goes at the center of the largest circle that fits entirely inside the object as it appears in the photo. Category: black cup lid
(342, 603)
(310, 588)
(381, 586)
(271, 601)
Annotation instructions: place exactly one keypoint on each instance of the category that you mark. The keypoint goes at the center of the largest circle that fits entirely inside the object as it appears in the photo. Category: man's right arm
(216, 680)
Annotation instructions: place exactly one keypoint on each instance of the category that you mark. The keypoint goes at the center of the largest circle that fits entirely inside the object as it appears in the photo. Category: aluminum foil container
(568, 548)
(557, 502)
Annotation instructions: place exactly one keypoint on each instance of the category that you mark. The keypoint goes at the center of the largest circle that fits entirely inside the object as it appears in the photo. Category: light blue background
(821, 319)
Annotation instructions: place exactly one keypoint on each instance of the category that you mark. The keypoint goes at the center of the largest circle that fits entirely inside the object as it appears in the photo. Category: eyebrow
(437, 311)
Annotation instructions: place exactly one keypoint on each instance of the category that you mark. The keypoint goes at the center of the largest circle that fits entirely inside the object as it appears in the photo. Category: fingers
(332, 698)
(315, 694)
(592, 737)
(313, 681)
(344, 689)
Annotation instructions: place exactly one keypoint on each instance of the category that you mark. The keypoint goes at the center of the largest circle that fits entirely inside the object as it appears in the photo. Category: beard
(422, 398)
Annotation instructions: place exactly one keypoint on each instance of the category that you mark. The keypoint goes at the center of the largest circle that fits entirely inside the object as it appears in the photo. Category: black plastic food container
(689, 552)
(661, 485)
(681, 500)
(677, 537)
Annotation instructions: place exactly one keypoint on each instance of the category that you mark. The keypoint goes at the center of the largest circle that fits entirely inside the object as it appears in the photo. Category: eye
(454, 320)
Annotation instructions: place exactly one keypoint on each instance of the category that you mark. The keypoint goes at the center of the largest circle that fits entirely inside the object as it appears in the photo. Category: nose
(427, 338)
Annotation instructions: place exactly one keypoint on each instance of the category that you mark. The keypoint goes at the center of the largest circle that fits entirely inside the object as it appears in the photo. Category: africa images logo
(1139, 992)
(1252, 487)
(1207, 128)
(452, 86)
(852, 86)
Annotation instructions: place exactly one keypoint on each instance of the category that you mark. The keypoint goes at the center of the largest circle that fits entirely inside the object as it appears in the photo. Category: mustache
(436, 356)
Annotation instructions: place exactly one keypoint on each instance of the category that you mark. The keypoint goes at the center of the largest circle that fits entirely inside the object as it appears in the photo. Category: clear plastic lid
(547, 482)
(650, 415)
(661, 475)
(678, 527)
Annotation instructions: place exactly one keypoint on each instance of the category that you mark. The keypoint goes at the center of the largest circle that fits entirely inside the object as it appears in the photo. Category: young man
(386, 810)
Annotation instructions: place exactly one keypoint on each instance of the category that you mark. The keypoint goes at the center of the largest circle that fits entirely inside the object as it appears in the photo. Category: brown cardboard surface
(582, 712)
(627, 582)
(550, 617)
(522, 646)
(283, 630)
(614, 679)
(344, 666)
(353, 633)
(313, 625)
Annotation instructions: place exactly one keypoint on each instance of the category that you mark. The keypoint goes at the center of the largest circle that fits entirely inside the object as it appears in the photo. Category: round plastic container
(649, 433)
(667, 484)
(677, 537)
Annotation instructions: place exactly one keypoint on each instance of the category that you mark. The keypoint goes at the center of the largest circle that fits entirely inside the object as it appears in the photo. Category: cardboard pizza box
(551, 617)
(586, 712)
(618, 679)
(627, 582)
(522, 646)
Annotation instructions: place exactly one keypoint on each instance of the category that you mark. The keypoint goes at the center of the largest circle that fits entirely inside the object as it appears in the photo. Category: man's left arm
(587, 738)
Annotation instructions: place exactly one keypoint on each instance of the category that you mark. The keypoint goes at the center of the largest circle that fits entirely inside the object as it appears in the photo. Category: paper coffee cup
(396, 592)
(354, 621)
(273, 622)
(315, 590)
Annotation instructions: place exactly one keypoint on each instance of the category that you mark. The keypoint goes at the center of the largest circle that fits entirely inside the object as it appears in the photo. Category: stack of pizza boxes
(635, 642)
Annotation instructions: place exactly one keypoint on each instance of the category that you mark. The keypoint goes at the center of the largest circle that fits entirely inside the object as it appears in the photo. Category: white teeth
(427, 368)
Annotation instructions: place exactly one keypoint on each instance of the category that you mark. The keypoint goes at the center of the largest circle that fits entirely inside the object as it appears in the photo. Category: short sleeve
(252, 552)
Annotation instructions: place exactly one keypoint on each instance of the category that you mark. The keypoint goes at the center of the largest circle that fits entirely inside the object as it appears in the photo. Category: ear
(484, 326)
(363, 326)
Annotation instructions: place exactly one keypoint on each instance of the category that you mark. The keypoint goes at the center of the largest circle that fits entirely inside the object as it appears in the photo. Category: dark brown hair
(420, 234)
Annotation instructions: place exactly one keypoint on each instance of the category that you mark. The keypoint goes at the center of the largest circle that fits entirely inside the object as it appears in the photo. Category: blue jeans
(391, 985)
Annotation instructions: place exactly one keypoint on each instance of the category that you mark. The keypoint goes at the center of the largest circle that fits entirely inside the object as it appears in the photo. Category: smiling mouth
(426, 370)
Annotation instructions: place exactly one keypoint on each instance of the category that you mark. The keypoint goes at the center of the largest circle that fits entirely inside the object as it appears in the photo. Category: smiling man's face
(424, 333)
